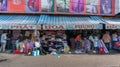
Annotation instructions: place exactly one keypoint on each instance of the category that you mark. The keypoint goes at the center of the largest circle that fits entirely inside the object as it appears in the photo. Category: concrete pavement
(64, 61)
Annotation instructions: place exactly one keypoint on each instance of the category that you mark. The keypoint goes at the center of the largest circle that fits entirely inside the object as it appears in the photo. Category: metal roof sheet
(68, 21)
(18, 19)
(48, 19)
(113, 21)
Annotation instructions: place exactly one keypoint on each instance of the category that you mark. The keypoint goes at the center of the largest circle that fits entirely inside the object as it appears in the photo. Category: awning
(113, 23)
(18, 21)
(49, 22)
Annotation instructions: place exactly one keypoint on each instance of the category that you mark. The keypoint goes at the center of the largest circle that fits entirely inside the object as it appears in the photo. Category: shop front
(113, 26)
(66, 29)
(58, 32)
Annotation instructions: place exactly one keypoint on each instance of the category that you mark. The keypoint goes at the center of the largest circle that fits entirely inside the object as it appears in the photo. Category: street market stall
(41, 27)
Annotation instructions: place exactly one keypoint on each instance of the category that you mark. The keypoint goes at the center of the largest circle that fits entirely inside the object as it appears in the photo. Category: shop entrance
(60, 39)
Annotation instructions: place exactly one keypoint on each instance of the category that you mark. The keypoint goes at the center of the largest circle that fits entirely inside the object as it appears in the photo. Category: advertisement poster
(77, 6)
(92, 6)
(63, 5)
(47, 5)
(32, 5)
(16, 5)
(105, 6)
(3, 5)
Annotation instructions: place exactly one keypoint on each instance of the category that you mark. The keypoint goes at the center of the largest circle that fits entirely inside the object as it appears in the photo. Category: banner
(22, 27)
(87, 26)
(106, 7)
(32, 5)
(63, 5)
(3, 5)
(53, 27)
(112, 26)
(77, 6)
(47, 5)
(92, 6)
(16, 5)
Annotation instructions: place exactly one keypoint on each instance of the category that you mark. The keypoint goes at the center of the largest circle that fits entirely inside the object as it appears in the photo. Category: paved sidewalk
(63, 61)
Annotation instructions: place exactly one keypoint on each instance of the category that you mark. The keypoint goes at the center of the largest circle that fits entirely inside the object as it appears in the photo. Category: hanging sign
(112, 26)
(87, 26)
(53, 27)
(24, 27)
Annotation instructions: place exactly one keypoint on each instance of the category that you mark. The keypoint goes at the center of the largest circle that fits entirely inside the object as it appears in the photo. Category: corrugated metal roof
(48, 19)
(113, 21)
(18, 19)
(68, 21)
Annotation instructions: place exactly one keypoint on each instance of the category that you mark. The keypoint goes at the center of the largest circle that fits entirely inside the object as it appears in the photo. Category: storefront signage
(84, 26)
(24, 27)
(38, 27)
(53, 27)
(112, 26)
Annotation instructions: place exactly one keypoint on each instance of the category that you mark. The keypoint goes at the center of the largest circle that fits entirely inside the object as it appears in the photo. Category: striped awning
(50, 22)
(113, 23)
(17, 21)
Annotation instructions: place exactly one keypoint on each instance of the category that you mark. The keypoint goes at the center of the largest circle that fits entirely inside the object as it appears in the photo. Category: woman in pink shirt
(107, 39)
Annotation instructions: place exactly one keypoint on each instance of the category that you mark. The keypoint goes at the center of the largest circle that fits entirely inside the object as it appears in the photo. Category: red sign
(84, 26)
(112, 26)
(25, 27)
(53, 27)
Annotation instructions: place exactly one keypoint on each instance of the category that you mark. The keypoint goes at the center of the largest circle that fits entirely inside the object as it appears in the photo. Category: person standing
(96, 44)
(87, 44)
(9, 43)
(114, 38)
(72, 41)
(3, 41)
(106, 39)
(78, 42)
